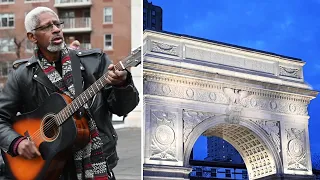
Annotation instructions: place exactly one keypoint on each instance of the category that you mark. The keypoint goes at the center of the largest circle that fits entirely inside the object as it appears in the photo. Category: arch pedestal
(257, 102)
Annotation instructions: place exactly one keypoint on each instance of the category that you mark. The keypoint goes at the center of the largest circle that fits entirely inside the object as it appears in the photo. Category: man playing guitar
(49, 71)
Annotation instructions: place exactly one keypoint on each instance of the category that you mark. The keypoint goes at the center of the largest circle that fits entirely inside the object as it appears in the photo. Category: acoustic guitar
(57, 131)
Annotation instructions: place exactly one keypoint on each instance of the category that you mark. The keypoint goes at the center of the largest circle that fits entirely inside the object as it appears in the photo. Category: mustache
(57, 37)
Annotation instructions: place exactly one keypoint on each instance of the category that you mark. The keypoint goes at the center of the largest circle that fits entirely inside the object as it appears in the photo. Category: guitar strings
(51, 122)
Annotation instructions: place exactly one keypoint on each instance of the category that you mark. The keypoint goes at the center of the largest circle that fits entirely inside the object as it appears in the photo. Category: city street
(129, 152)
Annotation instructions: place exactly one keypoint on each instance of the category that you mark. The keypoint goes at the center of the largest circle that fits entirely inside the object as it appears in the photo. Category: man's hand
(75, 44)
(28, 149)
(116, 77)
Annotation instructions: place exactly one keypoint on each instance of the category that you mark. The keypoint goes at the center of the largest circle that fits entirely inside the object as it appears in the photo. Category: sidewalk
(129, 152)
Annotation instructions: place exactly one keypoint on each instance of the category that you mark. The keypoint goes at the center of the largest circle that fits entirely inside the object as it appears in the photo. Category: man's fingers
(26, 152)
(111, 80)
(111, 67)
(121, 74)
(36, 151)
(112, 74)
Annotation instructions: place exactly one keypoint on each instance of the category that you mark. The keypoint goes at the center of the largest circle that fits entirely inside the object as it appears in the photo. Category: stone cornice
(219, 46)
(208, 56)
(273, 91)
(210, 80)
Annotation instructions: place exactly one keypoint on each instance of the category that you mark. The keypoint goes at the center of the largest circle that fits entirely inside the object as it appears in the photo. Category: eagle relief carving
(236, 104)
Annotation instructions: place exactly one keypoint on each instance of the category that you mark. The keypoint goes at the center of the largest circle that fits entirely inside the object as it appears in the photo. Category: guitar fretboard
(78, 102)
(90, 92)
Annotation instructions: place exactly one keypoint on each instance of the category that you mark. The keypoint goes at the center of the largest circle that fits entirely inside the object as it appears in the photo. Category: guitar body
(54, 142)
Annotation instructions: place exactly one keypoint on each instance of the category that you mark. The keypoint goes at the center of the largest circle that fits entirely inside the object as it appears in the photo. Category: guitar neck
(90, 92)
(78, 102)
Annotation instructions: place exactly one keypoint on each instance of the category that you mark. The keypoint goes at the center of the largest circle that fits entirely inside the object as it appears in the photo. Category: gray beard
(55, 48)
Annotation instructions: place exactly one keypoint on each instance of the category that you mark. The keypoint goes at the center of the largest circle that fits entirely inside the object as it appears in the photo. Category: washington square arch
(257, 101)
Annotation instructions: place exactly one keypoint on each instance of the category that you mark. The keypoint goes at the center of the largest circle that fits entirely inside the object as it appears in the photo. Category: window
(108, 42)
(69, 19)
(7, 45)
(244, 174)
(228, 173)
(153, 12)
(199, 172)
(108, 15)
(153, 21)
(5, 68)
(213, 172)
(36, 0)
(6, 1)
(7, 20)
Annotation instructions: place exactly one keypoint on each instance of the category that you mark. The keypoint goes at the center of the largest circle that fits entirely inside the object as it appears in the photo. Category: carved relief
(183, 88)
(163, 137)
(290, 72)
(184, 92)
(296, 149)
(166, 89)
(272, 128)
(164, 48)
(190, 93)
(236, 104)
(281, 106)
(191, 119)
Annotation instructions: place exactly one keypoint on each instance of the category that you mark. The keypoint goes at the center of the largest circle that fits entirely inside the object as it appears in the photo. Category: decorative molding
(290, 72)
(150, 76)
(219, 95)
(164, 48)
(163, 143)
(184, 92)
(191, 119)
(276, 105)
(296, 149)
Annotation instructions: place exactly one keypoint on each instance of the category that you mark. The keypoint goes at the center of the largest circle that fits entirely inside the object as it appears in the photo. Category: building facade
(152, 16)
(220, 150)
(208, 172)
(104, 24)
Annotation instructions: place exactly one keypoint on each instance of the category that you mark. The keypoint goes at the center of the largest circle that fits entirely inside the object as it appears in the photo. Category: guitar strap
(77, 77)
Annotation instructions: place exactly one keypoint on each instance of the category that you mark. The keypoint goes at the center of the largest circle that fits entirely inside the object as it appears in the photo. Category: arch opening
(260, 158)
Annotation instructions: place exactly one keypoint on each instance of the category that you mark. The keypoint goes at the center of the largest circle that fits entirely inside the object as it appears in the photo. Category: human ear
(32, 37)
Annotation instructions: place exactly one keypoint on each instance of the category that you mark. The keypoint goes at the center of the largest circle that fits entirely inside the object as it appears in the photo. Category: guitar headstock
(134, 59)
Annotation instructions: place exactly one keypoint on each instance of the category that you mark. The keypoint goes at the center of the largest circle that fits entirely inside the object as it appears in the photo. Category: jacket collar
(32, 60)
(39, 76)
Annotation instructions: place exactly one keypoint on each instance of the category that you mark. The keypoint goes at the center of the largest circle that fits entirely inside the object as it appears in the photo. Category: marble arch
(255, 100)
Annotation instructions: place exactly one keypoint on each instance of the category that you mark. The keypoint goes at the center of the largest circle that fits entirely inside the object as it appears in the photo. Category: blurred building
(217, 170)
(152, 16)
(115, 26)
(220, 150)
(104, 24)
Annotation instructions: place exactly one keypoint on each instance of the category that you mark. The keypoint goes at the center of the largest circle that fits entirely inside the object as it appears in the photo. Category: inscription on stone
(229, 60)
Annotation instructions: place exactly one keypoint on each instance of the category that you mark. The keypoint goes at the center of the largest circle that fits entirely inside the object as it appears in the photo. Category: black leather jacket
(27, 87)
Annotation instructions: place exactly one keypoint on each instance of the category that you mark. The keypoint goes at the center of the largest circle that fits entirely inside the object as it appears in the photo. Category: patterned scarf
(88, 161)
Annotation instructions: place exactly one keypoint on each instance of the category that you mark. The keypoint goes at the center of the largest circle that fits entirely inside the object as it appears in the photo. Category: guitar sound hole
(50, 128)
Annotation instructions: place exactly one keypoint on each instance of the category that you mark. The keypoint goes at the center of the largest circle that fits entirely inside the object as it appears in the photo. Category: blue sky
(290, 28)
